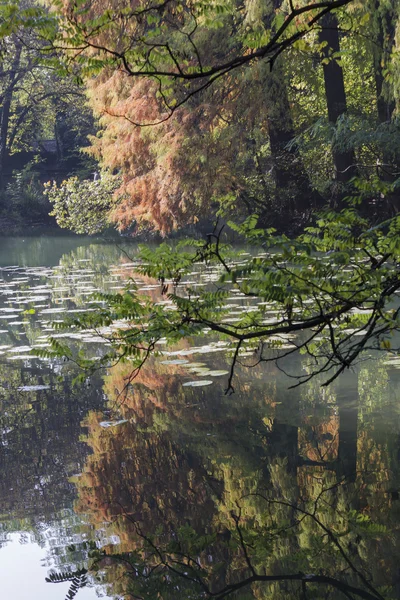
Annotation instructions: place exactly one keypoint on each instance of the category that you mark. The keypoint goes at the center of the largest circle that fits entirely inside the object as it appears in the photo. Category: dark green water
(186, 489)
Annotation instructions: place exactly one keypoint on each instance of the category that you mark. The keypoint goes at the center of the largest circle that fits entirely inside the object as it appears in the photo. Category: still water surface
(166, 477)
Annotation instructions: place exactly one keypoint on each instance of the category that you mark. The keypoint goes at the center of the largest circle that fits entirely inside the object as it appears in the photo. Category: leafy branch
(331, 293)
(77, 578)
(180, 559)
(145, 46)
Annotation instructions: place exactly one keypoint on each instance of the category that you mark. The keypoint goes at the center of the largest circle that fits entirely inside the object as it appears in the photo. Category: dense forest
(259, 107)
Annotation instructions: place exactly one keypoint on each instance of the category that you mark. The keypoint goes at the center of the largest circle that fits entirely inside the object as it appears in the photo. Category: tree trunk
(4, 120)
(382, 49)
(5, 110)
(291, 178)
(344, 160)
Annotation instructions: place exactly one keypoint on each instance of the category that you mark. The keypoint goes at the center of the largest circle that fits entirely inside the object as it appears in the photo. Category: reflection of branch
(301, 577)
(77, 578)
(236, 519)
(230, 388)
(330, 535)
(162, 559)
(182, 565)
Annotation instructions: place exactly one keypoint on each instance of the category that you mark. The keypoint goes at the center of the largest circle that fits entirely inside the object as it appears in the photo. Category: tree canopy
(245, 96)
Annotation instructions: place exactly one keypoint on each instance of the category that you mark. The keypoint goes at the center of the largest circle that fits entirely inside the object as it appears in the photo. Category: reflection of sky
(22, 574)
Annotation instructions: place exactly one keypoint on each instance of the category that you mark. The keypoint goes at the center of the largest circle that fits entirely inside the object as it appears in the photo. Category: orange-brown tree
(222, 122)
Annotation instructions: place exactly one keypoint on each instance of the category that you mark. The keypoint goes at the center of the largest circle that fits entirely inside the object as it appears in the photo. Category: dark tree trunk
(383, 47)
(5, 109)
(4, 120)
(291, 177)
(344, 160)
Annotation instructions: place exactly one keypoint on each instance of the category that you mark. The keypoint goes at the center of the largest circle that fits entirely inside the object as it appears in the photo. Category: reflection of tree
(222, 496)
(89, 269)
(40, 453)
(48, 250)
(40, 447)
(179, 488)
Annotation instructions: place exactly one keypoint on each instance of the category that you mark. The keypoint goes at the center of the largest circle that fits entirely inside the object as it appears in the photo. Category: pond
(165, 487)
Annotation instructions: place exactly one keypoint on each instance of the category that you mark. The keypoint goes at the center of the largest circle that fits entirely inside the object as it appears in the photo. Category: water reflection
(202, 491)
(41, 409)
(171, 491)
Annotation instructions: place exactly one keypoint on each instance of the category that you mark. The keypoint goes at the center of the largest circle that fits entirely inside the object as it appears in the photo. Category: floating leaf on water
(19, 349)
(201, 371)
(394, 362)
(106, 424)
(198, 383)
(33, 388)
(34, 299)
(210, 349)
(174, 362)
(234, 320)
(217, 373)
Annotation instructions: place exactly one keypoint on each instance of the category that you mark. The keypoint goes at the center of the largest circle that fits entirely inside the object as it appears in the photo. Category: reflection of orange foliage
(158, 388)
(155, 471)
(141, 473)
(320, 442)
(124, 274)
(147, 286)
(152, 388)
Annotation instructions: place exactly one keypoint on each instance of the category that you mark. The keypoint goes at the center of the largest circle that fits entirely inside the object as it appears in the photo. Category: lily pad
(198, 383)
(107, 424)
(20, 349)
(217, 373)
(177, 361)
(33, 388)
